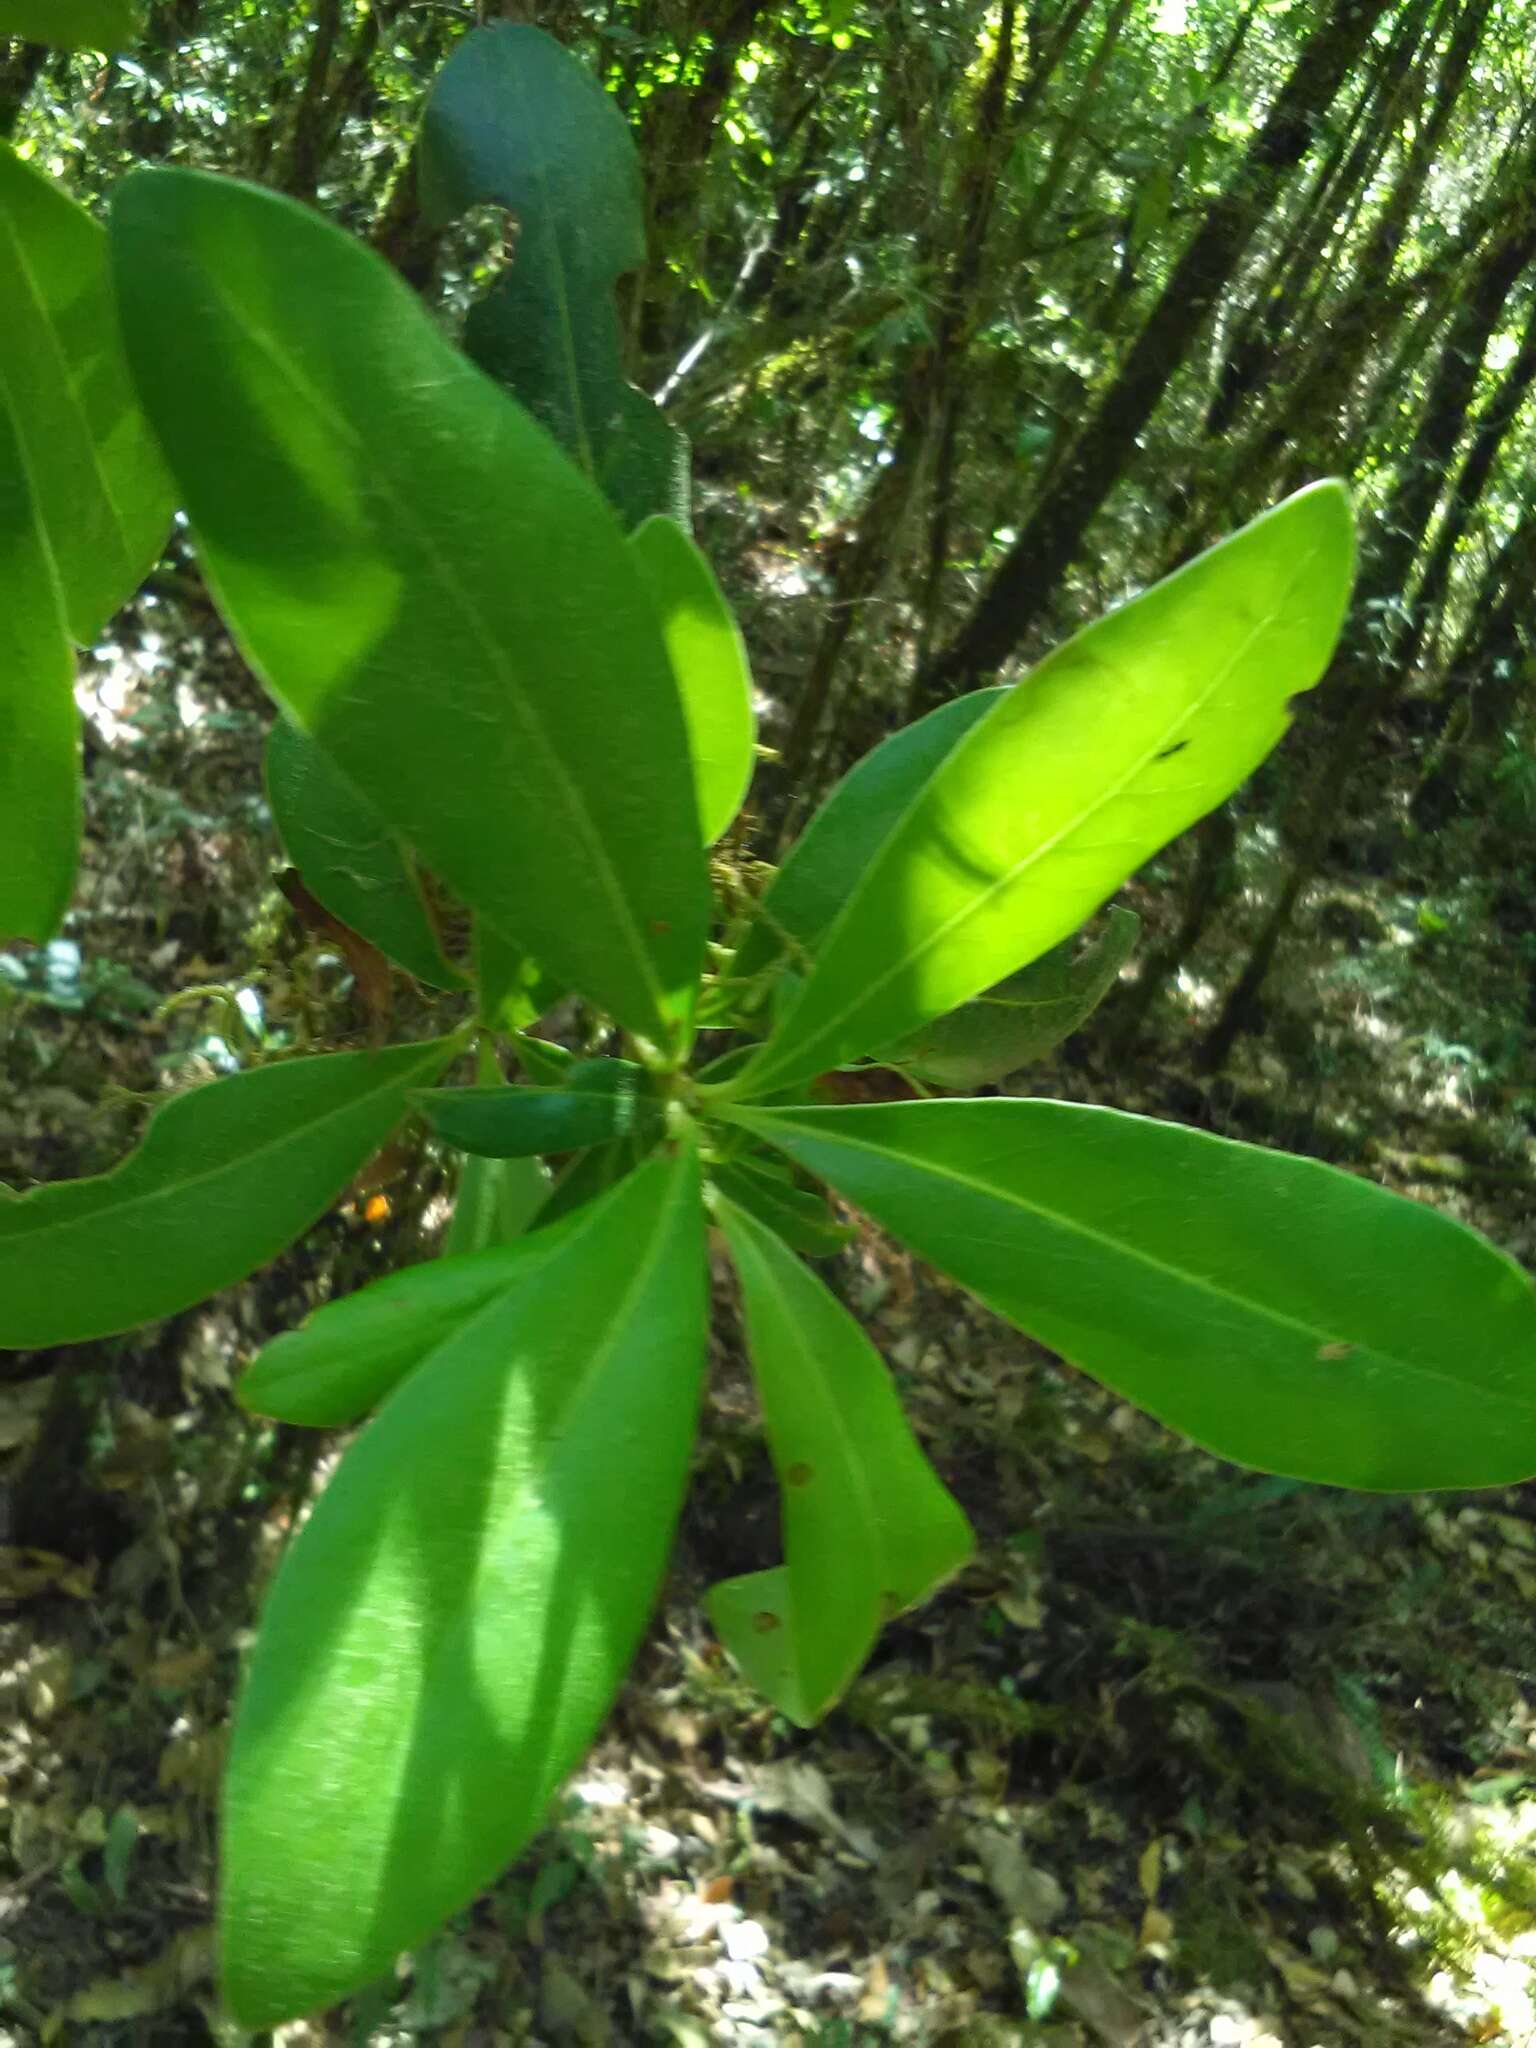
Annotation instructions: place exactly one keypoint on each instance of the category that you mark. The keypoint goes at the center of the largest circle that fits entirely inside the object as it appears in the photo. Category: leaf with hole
(426, 584)
(868, 1528)
(1112, 746)
(1278, 1311)
(224, 1177)
(514, 120)
(451, 1623)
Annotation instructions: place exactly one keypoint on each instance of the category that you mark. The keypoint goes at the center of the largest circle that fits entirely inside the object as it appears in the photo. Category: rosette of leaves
(506, 692)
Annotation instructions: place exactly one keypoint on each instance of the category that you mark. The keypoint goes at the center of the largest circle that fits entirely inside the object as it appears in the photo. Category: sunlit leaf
(710, 664)
(868, 1528)
(1280, 1312)
(84, 509)
(224, 1177)
(427, 585)
(826, 861)
(1118, 741)
(495, 1202)
(453, 1620)
(351, 1353)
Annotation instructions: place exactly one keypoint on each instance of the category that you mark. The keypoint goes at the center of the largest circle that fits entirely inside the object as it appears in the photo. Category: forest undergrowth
(1189, 1755)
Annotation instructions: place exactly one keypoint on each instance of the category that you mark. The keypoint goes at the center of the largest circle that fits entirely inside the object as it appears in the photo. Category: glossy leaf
(99, 487)
(709, 662)
(224, 1177)
(824, 864)
(39, 727)
(348, 856)
(496, 1201)
(1279, 1312)
(424, 582)
(451, 1623)
(868, 1528)
(1020, 1020)
(1117, 742)
(800, 1217)
(104, 25)
(601, 1099)
(349, 1354)
(514, 120)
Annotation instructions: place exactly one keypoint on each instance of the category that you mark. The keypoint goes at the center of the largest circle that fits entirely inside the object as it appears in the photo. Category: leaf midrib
(76, 413)
(798, 1051)
(1116, 1246)
(514, 699)
(89, 1219)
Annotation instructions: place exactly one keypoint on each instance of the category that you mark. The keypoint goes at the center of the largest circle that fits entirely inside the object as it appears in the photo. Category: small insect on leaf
(1334, 1351)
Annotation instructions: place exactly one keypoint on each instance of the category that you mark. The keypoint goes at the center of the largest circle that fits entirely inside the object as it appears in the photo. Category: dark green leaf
(801, 1218)
(868, 1529)
(1133, 730)
(349, 858)
(1019, 1021)
(426, 584)
(225, 1176)
(451, 1623)
(709, 662)
(514, 120)
(601, 1099)
(1278, 1311)
(825, 862)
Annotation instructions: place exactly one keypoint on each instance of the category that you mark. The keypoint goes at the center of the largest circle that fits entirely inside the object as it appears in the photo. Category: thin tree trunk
(1052, 537)
(18, 75)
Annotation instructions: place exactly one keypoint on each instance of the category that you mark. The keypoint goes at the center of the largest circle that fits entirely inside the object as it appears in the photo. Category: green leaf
(709, 662)
(601, 1099)
(349, 858)
(1019, 1021)
(39, 727)
(497, 1200)
(451, 1623)
(84, 508)
(104, 25)
(224, 1177)
(801, 1218)
(351, 1353)
(514, 120)
(424, 582)
(1281, 1313)
(98, 484)
(1117, 742)
(821, 868)
(514, 989)
(868, 1528)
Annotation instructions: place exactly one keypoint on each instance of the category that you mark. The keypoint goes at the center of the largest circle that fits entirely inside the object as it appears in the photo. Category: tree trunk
(1052, 536)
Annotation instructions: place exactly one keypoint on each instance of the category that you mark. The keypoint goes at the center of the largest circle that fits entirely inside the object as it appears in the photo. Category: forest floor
(1188, 1756)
